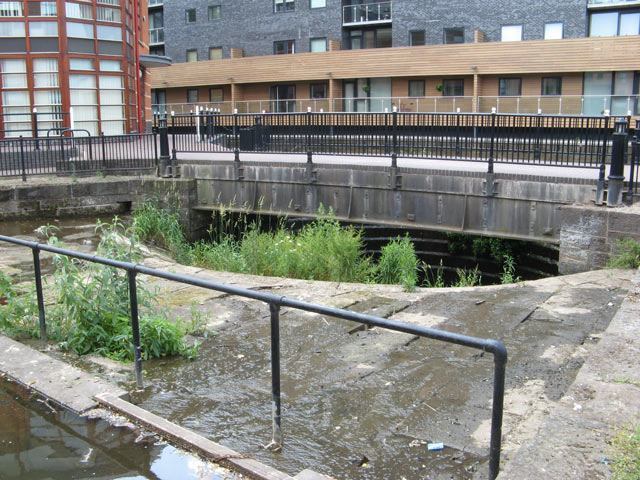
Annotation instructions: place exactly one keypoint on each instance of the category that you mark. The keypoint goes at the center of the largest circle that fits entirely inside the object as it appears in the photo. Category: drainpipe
(137, 57)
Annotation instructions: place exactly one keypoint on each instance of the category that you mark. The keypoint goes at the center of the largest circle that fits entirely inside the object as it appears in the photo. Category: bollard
(616, 169)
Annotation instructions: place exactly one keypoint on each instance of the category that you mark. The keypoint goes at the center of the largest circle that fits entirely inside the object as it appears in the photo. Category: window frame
(215, 48)
(416, 82)
(326, 44)
(502, 27)
(424, 38)
(283, 6)
(286, 44)
(311, 7)
(187, 55)
(452, 29)
(619, 14)
(544, 30)
(325, 87)
(542, 82)
(187, 12)
(210, 9)
(449, 81)
(502, 86)
(211, 89)
(190, 91)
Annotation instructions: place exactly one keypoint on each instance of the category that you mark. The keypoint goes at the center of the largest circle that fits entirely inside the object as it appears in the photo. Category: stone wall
(588, 235)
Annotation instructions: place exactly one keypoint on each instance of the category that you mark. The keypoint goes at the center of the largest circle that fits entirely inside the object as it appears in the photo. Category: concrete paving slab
(51, 378)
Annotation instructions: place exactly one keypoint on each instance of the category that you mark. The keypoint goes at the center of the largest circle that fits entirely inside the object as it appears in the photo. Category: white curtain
(43, 29)
(83, 97)
(12, 29)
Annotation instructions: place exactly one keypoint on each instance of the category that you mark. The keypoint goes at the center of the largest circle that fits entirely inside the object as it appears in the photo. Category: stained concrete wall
(589, 234)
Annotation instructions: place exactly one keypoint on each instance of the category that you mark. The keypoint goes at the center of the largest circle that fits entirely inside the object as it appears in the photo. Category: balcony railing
(590, 105)
(155, 3)
(156, 36)
(612, 3)
(370, 13)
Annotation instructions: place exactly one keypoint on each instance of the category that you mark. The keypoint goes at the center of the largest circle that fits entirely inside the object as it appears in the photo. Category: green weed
(398, 264)
(625, 463)
(468, 278)
(434, 279)
(628, 254)
(508, 271)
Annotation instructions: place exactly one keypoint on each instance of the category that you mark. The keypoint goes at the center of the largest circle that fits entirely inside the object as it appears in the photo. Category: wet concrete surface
(362, 404)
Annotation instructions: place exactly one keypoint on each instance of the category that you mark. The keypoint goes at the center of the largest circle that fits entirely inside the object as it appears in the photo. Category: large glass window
(511, 33)
(510, 87)
(45, 72)
(110, 65)
(42, 9)
(84, 100)
(630, 24)
(453, 87)
(553, 31)
(43, 29)
(318, 44)
(108, 14)
(14, 73)
(416, 38)
(112, 114)
(284, 5)
(12, 29)
(416, 88)
(78, 10)
(190, 15)
(551, 86)
(318, 3)
(11, 9)
(215, 12)
(81, 64)
(454, 35)
(283, 47)
(109, 33)
(79, 30)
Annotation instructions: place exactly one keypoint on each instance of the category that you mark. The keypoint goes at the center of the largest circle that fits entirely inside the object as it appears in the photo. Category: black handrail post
(38, 275)
(135, 327)
(603, 165)
(635, 151)
(616, 169)
(35, 128)
(394, 138)
(22, 162)
(174, 156)
(164, 147)
(236, 140)
(276, 441)
(536, 150)
(104, 151)
(458, 133)
(499, 372)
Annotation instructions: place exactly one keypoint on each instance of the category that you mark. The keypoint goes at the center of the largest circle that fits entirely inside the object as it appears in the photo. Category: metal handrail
(275, 302)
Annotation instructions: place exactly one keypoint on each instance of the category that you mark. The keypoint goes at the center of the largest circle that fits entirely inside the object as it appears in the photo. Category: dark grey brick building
(208, 28)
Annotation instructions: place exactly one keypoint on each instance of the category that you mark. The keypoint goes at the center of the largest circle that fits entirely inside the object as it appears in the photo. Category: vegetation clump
(398, 264)
(91, 313)
(628, 254)
(625, 463)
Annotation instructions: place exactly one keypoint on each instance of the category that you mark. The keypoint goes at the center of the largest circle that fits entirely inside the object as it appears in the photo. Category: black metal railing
(575, 141)
(30, 124)
(276, 302)
(634, 170)
(77, 154)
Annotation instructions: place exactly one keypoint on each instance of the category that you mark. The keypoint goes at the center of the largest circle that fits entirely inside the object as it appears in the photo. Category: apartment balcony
(366, 14)
(156, 36)
(155, 3)
(612, 3)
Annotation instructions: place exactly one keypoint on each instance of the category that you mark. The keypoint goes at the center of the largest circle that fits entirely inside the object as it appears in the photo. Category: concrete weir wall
(589, 234)
(466, 202)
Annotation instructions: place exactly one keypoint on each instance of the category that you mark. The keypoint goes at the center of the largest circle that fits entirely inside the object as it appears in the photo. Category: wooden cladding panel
(540, 56)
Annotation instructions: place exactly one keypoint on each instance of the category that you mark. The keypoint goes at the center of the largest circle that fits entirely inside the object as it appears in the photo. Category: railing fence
(275, 303)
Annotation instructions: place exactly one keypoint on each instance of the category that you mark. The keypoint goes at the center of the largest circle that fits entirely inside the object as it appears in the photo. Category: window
(109, 33)
(216, 95)
(190, 15)
(283, 47)
(14, 73)
(107, 14)
(318, 45)
(553, 31)
(192, 95)
(453, 35)
(318, 3)
(110, 65)
(192, 55)
(374, 38)
(43, 29)
(77, 10)
(318, 90)
(79, 30)
(453, 87)
(511, 33)
(84, 100)
(11, 29)
(284, 5)
(81, 64)
(611, 24)
(42, 9)
(215, 53)
(112, 114)
(416, 88)
(11, 9)
(215, 12)
(510, 87)
(45, 73)
(551, 86)
(416, 38)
